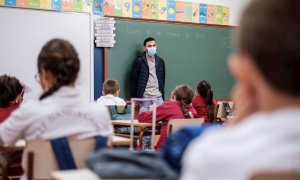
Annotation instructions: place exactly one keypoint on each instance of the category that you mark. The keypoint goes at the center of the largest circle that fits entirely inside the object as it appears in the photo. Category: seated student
(179, 107)
(204, 102)
(110, 94)
(11, 95)
(265, 133)
(61, 111)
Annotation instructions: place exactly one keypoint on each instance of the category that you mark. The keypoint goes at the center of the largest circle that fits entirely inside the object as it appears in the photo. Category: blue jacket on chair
(140, 74)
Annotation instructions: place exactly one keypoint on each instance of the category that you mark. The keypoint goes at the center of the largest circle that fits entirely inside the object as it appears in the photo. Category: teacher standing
(148, 74)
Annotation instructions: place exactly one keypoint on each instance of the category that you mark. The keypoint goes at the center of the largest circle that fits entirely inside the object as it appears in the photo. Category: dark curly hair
(10, 88)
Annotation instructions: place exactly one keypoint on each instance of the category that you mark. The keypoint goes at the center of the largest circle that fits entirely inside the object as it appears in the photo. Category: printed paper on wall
(118, 8)
(136, 8)
(56, 4)
(34, 3)
(153, 9)
(171, 10)
(195, 13)
(162, 9)
(77, 5)
(146, 9)
(66, 5)
(179, 11)
(127, 8)
(187, 11)
(45, 4)
(108, 7)
(10, 2)
(219, 11)
(87, 5)
(203, 13)
(210, 14)
(225, 18)
(1, 2)
(22, 3)
(98, 7)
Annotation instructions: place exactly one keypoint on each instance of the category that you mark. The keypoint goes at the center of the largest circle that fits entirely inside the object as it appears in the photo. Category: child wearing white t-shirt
(111, 92)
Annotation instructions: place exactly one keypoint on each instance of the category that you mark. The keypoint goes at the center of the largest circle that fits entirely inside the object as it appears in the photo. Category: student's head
(204, 90)
(58, 65)
(184, 94)
(268, 56)
(11, 91)
(111, 86)
(150, 46)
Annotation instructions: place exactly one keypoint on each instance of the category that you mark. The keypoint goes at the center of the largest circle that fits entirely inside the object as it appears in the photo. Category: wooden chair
(293, 175)
(175, 124)
(40, 159)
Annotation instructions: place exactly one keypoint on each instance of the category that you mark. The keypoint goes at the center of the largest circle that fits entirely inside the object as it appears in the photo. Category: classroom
(149, 89)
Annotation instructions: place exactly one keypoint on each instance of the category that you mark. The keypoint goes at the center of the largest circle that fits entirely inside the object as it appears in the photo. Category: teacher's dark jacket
(140, 74)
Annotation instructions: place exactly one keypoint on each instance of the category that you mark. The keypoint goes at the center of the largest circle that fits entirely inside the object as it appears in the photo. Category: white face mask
(151, 51)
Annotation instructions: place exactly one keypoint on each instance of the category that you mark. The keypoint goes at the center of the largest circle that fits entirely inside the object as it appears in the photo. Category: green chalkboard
(191, 54)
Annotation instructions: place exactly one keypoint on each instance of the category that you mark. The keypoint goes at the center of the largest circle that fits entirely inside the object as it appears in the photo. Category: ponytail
(210, 105)
(50, 91)
(184, 108)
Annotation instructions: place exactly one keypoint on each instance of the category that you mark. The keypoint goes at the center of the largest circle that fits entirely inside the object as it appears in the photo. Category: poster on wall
(171, 10)
(77, 5)
(108, 8)
(1, 2)
(187, 11)
(127, 8)
(10, 2)
(56, 4)
(210, 14)
(118, 8)
(98, 7)
(203, 13)
(195, 12)
(66, 5)
(45, 4)
(218, 14)
(179, 11)
(34, 3)
(87, 6)
(22, 3)
(162, 9)
(153, 9)
(146, 9)
(136, 8)
(225, 18)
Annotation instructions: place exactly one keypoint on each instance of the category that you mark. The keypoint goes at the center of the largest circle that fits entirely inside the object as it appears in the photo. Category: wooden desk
(141, 127)
(120, 141)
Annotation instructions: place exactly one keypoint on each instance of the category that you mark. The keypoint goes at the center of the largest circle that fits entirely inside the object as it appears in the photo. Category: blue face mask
(151, 51)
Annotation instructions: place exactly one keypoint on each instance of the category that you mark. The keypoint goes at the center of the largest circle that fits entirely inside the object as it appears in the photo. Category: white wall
(236, 7)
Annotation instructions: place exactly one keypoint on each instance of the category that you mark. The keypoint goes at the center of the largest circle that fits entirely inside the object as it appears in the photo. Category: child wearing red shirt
(11, 95)
(204, 102)
(178, 108)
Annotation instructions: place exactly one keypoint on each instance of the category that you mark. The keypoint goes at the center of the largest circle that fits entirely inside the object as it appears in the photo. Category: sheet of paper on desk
(80, 174)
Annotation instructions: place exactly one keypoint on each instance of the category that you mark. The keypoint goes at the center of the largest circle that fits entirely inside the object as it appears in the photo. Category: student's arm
(12, 129)
(161, 114)
(135, 71)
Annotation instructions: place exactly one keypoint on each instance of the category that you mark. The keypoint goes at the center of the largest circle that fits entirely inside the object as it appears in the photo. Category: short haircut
(269, 33)
(10, 88)
(110, 86)
(148, 39)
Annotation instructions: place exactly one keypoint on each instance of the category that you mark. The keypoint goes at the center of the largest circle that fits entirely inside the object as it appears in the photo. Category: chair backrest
(40, 160)
(175, 124)
(293, 175)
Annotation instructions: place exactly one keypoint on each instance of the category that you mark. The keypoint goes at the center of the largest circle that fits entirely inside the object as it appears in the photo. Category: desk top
(117, 140)
(128, 123)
